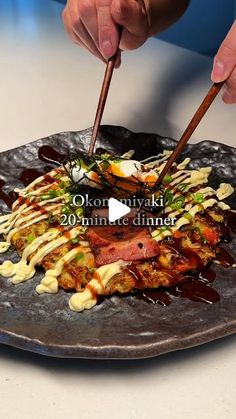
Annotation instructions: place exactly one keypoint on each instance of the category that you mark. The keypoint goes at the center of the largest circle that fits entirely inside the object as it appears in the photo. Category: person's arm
(93, 23)
(225, 66)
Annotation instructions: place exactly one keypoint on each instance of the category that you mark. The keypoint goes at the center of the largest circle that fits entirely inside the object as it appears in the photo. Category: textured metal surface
(119, 327)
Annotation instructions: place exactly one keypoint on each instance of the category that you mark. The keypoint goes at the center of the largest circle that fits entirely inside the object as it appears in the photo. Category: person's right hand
(93, 24)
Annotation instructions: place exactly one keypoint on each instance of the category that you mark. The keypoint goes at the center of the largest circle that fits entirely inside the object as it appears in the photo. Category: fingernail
(218, 71)
(107, 49)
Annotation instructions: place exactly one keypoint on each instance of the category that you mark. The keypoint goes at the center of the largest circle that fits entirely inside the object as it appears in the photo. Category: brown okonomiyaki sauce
(224, 258)
(7, 197)
(231, 219)
(195, 287)
(28, 175)
(48, 154)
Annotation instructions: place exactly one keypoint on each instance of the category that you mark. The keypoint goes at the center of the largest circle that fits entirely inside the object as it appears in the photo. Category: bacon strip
(112, 243)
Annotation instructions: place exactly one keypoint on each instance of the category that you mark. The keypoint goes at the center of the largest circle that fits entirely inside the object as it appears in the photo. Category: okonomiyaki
(175, 238)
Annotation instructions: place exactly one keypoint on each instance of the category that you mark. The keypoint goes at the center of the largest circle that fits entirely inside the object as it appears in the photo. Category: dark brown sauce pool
(158, 296)
(224, 258)
(197, 288)
(231, 216)
(29, 175)
(26, 177)
(7, 197)
(48, 154)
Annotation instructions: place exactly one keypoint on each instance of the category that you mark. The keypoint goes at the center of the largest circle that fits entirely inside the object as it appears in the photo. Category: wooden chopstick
(103, 96)
(206, 103)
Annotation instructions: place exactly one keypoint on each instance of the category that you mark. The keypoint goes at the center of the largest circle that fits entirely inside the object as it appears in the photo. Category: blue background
(203, 26)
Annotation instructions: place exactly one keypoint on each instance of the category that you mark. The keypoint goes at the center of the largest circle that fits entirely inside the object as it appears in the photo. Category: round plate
(120, 327)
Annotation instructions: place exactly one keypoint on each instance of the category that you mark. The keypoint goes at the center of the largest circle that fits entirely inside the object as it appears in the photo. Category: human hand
(225, 66)
(93, 24)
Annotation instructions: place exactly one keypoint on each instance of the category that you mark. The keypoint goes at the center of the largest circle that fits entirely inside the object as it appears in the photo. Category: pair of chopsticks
(206, 103)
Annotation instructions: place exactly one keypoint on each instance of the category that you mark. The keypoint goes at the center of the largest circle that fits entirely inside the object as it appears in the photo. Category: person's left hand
(225, 66)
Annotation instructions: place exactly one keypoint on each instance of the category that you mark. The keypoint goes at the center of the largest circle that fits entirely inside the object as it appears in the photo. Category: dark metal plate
(119, 327)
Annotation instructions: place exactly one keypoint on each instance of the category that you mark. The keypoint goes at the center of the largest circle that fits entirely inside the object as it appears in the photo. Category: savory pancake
(46, 227)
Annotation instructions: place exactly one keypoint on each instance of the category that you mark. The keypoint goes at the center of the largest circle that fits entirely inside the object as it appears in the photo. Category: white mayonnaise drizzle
(224, 191)
(23, 270)
(27, 214)
(87, 299)
(191, 179)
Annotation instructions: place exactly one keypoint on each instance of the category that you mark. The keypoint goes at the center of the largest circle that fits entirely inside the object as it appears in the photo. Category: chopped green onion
(61, 192)
(81, 163)
(188, 216)
(79, 211)
(75, 240)
(49, 195)
(164, 228)
(79, 256)
(117, 160)
(167, 179)
(65, 210)
(91, 166)
(104, 156)
(30, 238)
(53, 193)
(168, 197)
(70, 198)
(198, 198)
(44, 197)
(178, 203)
